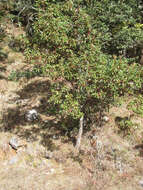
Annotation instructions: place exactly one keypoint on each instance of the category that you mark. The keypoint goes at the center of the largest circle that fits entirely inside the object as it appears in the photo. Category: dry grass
(107, 161)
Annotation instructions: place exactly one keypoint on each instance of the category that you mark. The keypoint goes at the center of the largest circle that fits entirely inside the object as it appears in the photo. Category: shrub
(70, 48)
(136, 105)
(73, 43)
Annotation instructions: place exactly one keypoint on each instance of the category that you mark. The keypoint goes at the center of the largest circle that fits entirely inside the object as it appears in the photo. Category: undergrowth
(136, 105)
(16, 75)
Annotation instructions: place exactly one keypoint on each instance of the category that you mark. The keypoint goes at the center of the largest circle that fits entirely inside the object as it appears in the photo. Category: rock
(94, 137)
(51, 171)
(49, 155)
(32, 115)
(22, 102)
(55, 137)
(13, 97)
(16, 143)
(105, 118)
(141, 183)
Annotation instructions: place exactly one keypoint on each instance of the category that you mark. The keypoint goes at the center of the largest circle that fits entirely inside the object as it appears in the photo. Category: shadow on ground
(48, 125)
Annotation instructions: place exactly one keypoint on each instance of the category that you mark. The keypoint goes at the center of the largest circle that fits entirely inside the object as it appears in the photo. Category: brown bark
(141, 60)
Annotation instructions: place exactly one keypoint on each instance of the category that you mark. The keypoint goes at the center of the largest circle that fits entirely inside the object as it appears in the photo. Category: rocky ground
(35, 155)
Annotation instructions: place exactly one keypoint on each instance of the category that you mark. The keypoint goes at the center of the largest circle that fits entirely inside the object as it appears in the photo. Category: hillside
(39, 152)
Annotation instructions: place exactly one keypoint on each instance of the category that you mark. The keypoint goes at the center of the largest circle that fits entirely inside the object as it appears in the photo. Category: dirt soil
(46, 159)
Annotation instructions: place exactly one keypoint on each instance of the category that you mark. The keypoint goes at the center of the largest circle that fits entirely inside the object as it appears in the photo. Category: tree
(75, 41)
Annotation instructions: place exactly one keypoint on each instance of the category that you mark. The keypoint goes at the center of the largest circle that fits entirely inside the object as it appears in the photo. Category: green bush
(136, 105)
(16, 75)
(74, 42)
(119, 25)
(125, 126)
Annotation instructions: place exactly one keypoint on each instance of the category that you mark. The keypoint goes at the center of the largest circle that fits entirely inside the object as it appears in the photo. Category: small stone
(55, 137)
(13, 97)
(49, 155)
(14, 143)
(141, 183)
(32, 115)
(51, 171)
(94, 137)
(105, 118)
(22, 102)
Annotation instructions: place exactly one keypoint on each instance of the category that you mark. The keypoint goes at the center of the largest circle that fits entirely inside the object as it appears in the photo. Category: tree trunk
(141, 57)
(78, 142)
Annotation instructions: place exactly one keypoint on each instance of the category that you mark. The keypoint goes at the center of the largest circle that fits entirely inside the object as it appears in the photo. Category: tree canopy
(86, 48)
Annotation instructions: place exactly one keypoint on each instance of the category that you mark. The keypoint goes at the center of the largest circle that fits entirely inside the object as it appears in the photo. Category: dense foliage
(85, 47)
